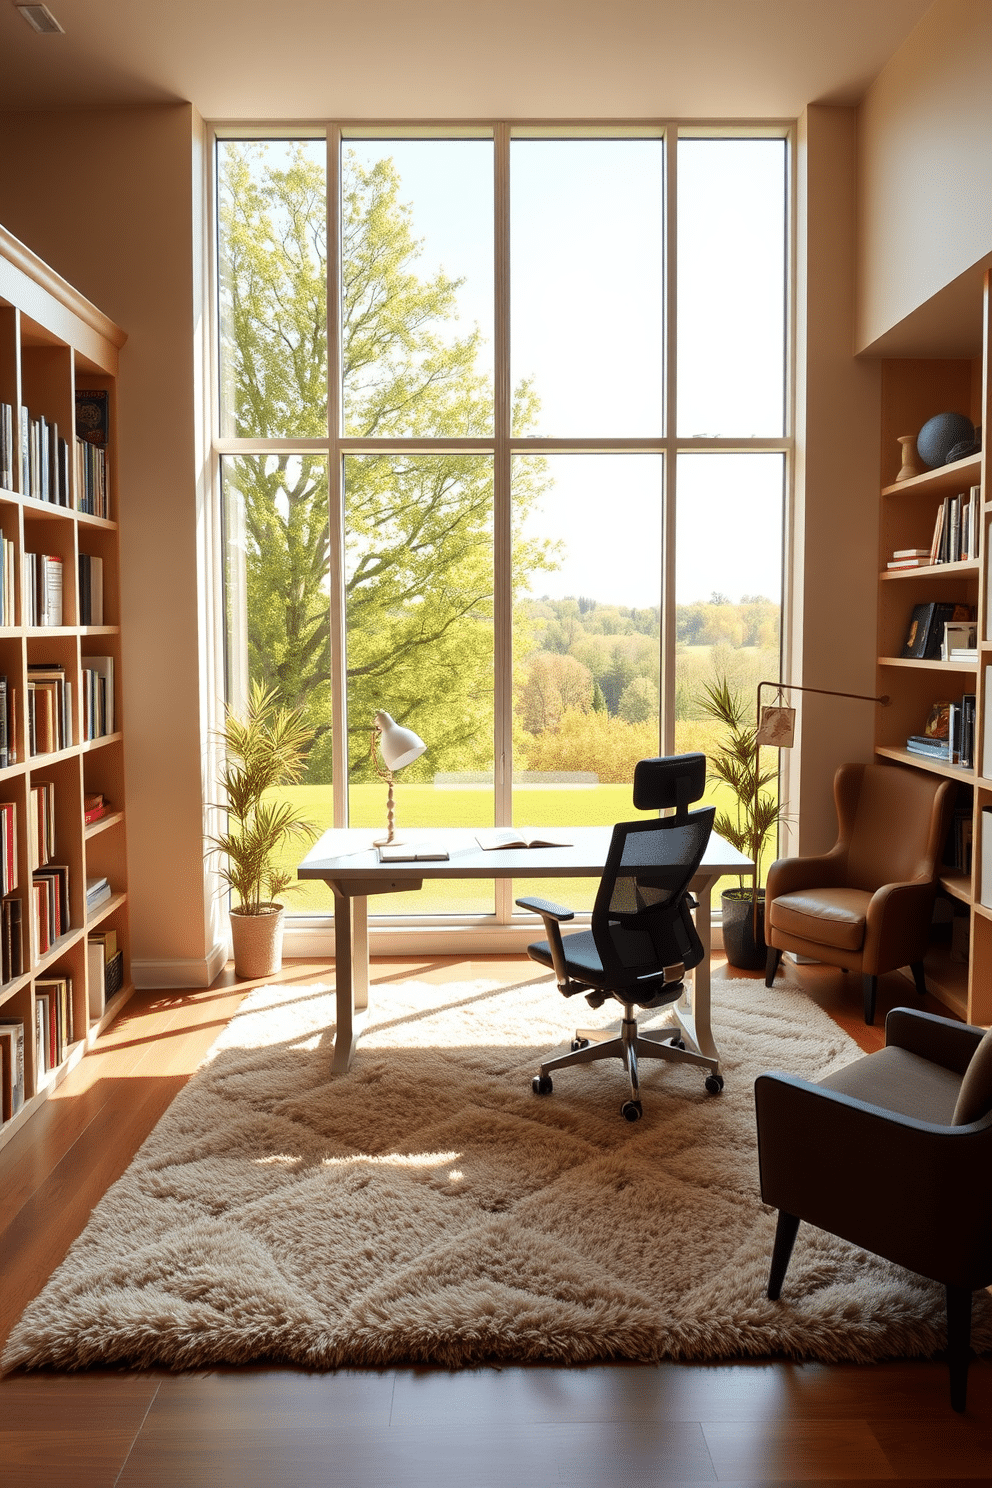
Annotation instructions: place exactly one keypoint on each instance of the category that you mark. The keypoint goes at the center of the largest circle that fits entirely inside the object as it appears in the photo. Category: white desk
(345, 859)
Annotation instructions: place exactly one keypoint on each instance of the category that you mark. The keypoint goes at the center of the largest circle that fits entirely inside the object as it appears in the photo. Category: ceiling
(437, 59)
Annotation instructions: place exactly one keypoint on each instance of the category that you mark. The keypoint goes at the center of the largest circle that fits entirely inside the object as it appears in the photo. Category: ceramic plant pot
(742, 949)
(257, 941)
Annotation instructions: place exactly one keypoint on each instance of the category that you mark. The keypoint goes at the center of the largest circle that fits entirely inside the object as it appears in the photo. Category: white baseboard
(197, 972)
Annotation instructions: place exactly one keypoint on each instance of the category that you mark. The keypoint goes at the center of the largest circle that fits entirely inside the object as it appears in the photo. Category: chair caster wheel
(714, 1084)
(579, 1043)
(677, 1042)
(631, 1110)
(541, 1085)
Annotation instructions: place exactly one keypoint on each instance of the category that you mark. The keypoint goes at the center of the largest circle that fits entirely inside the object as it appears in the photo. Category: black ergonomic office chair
(642, 939)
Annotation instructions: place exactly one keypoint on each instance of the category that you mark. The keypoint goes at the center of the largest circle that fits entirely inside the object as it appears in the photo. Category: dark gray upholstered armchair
(893, 1153)
(867, 903)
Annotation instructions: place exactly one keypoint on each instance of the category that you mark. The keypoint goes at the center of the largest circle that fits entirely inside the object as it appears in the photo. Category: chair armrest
(786, 875)
(546, 909)
(941, 1040)
(897, 924)
(877, 1178)
(552, 914)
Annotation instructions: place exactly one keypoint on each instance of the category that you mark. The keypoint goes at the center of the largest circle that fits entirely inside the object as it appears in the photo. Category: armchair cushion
(894, 1079)
(833, 917)
(975, 1098)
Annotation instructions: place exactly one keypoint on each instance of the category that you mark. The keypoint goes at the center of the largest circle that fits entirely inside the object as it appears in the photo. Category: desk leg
(693, 1009)
(351, 975)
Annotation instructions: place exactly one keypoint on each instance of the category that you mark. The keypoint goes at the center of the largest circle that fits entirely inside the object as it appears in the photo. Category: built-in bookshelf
(64, 945)
(959, 963)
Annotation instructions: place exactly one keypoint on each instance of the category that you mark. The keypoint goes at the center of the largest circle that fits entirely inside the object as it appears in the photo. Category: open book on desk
(511, 837)
(412, 852)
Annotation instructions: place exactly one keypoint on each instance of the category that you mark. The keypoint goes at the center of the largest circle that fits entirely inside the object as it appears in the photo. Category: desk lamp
(398, 747)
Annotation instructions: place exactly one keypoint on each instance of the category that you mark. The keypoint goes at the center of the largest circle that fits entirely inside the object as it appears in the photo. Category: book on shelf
(928, 748)
(98, 891)
(509, 838)
(911, 553)
(97, 682)
(961, 732)
(11, 1066)
(90, 589)
(985, 887)
(956, 528)
(42, 589)
(8, 847)
(411, 852)
(957, 848)
(925, 634)
(61, 1032)
(898, 563)
(43, 1058)
(41, 823)
(958, 635)
(104, 969)
(95, 805)
(7, 447)
(57, 874)
(11, 943)
(49, 710)
(92, 415)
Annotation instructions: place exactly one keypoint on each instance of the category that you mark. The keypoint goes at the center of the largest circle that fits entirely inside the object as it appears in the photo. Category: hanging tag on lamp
(777, 727)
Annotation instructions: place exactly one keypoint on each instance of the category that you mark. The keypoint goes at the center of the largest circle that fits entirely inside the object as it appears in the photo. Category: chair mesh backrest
(639, 921)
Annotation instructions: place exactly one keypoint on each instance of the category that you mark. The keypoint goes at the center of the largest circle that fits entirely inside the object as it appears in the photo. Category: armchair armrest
(878, 1178)
(941, 1040)
(786, 875)
(897, 924)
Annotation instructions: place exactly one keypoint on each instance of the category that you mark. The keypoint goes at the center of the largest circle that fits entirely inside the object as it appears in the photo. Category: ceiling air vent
(40, 18)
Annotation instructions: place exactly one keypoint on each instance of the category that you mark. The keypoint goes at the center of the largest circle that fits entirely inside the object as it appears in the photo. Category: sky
(587, 326)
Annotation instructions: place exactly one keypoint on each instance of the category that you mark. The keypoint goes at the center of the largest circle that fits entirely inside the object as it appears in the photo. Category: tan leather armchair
(866, 905)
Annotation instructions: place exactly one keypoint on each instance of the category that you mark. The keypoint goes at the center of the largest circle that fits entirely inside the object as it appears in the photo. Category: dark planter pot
(742, 949)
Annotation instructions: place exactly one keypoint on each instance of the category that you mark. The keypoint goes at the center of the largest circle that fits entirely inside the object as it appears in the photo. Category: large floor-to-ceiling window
(503, 433)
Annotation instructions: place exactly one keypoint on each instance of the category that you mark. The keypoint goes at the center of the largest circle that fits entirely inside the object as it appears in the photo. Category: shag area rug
(427, 1207)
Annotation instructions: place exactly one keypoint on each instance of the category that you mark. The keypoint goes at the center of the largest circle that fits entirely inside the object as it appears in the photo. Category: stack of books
(931, 748)
(909, 558)
(11, 1067)
(97, 890)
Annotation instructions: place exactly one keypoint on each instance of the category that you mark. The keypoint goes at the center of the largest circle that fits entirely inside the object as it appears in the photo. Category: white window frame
(311, 934)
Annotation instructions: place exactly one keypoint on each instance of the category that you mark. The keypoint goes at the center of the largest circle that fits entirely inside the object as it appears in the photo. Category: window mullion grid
(502, 513)
(669, 497)
(335, 488)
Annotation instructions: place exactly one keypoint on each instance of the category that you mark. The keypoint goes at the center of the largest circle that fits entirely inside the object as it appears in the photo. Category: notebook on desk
(412, 852)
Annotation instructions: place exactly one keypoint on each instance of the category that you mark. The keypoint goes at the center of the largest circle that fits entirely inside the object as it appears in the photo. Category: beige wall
(834, 560)
(925, 166)
(107, 199)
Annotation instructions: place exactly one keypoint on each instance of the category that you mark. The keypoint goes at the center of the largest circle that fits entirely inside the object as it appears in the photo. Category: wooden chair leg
(916, 967)
(771, 964)
(958, 1343)
(785, 1238)
(870, 987)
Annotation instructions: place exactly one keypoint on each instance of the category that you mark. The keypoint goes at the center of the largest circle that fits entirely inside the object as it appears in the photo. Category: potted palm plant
(749, 825)
(263, 751)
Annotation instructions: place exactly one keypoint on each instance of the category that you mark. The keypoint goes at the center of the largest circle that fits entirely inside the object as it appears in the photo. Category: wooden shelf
(930, 570)
(913, 391)
(946, 480)
(52, 345)
(920, 762)
(919, 664)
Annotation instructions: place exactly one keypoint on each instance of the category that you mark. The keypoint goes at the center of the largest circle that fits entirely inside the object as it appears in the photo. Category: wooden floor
(603, 1426)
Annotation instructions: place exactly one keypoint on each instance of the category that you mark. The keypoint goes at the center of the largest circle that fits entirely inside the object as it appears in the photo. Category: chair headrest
(672, 780)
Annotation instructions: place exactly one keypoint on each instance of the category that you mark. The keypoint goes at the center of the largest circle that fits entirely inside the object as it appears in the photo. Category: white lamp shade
(398, 746)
